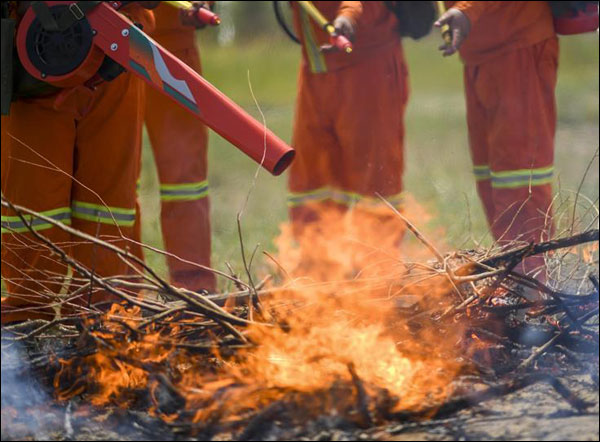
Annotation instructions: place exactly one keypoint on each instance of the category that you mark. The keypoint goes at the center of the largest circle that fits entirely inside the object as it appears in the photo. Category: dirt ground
(534, 413)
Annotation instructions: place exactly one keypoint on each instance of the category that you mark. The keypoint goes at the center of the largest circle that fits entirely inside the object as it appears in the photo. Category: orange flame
(340, 307)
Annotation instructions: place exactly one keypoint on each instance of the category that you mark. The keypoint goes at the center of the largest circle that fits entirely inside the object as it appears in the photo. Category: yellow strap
(316, 15)
(180, 5)
(315, 56)
(445, 29)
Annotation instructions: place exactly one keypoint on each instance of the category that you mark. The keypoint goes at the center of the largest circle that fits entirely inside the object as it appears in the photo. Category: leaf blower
(67, 44)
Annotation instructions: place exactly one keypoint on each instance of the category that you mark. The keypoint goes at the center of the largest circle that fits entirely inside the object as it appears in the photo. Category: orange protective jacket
(498, 27)
(348, 127)
(169, 31)
(376, 31)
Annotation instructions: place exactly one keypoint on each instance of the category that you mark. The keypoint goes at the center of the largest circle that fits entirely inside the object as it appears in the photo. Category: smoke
(26, 411)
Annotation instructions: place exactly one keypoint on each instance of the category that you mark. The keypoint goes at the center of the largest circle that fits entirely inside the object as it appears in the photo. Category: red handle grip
(205, 15)
(341, 42)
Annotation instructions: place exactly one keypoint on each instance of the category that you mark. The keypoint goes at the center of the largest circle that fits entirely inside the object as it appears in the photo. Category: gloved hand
(189, 17)
(460, 26)
(343, 26)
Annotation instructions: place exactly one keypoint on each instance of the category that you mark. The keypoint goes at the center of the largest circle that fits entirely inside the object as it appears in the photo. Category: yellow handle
(445, 29)
(180, 5)
(339, 41)
(316, 15)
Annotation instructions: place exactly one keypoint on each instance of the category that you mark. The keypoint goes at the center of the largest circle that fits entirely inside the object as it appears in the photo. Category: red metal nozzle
(205, 15)
(341, 42)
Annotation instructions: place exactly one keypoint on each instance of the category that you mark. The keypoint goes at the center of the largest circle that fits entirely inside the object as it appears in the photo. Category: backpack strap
(76, 11)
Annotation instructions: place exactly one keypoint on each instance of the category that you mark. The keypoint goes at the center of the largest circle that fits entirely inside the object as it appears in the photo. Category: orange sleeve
(351, 9)
(138, 14)
(475, 9)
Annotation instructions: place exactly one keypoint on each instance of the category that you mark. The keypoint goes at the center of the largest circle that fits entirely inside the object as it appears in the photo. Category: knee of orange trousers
(34, 276)
(522, 214)
(187, 237)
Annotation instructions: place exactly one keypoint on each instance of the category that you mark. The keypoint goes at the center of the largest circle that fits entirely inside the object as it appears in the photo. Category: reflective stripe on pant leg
(510, 179)
(14, 224)
(102, 214)
(352, 198)
(482, 172)
(184, 192)
(296, 199)
(341, 197)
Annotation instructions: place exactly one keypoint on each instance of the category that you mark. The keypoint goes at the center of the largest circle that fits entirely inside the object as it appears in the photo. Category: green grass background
(438, 171)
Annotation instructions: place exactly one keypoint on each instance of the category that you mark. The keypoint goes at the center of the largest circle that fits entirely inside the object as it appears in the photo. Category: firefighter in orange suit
(180, 143)
(348, 127)
(510, 53)
(73, 156)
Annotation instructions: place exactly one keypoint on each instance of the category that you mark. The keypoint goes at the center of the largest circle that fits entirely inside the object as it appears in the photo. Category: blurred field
(438, 166)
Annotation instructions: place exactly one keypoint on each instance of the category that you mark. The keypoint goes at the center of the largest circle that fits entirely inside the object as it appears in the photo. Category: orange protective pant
(511, 115)
(180, 141)
(75, 161)
(349, 135)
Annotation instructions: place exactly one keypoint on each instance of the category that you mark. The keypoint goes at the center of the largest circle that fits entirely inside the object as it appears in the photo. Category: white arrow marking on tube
(162, 69)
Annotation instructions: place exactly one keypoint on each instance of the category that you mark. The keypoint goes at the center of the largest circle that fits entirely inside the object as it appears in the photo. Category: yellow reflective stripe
(14, 224)
(49, 213)
(102, 208)
(315, 56)
(522, 172)
(295, 199)
(346, 198)
(184, 192)
(522, 183)
(103, 214)
(481, 172)
(396, 200)
(185, 197)
(521, 178)
(36, 227)
(185, 186)
(309, 192)
(352, 198)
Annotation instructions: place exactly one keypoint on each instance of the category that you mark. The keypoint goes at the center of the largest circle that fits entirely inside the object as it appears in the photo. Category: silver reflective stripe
(297, 199)
(522, 177)
(184, 193)
(106, 215)
(482, 172)
(341, 197)
(14, 224)
(512, 179)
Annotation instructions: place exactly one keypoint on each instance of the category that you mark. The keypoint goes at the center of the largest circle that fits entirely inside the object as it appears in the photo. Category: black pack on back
(6, 73)
(574, 17)
(415, 18)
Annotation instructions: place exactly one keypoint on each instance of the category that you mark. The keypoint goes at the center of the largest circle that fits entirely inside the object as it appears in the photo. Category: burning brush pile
(347, 333)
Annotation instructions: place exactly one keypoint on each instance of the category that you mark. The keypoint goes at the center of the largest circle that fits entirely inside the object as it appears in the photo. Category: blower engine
(74, 52)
